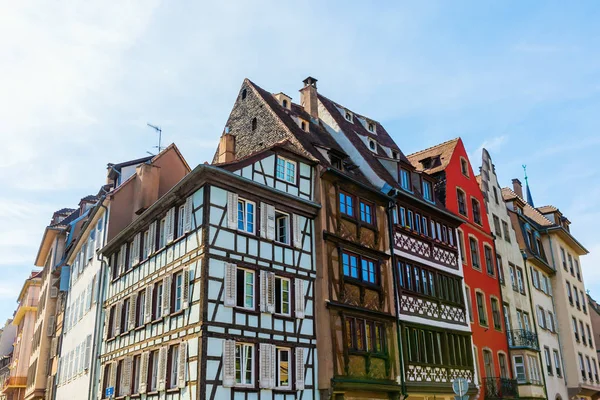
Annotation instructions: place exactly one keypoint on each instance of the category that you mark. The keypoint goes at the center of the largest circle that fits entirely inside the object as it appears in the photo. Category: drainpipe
(533, 310)
(390, 218)
(95, 358)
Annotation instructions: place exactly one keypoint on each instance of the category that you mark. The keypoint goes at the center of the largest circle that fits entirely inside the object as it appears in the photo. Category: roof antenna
(157, 129)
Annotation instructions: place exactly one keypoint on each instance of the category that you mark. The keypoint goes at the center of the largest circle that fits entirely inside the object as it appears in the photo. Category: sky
(79, 80)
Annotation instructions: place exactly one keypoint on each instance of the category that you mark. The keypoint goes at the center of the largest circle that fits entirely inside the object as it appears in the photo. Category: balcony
(522, 339)
(500, 388)
(423, 246)
(15, 382)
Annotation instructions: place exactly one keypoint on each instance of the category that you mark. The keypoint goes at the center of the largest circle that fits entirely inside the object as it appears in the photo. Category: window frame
(405, 184)
(245, 294)
(280, 215)
(359, 268)
(281, 291)
(476, 207)
(480, 307)
(476, 256)
(370, 214)
(278, 352)
(287, 162)
(461, 194)
(345, 196)
(245, 362)
(464, 167)
(245, 223)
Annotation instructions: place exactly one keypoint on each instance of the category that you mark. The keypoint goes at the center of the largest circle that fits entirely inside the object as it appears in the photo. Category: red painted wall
(483, 337)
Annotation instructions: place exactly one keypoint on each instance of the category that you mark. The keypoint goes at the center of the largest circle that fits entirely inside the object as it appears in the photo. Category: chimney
(308, 97)
(226, 147)
(517, 187)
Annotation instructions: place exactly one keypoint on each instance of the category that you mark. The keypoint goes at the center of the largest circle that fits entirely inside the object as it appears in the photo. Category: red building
(458, 188)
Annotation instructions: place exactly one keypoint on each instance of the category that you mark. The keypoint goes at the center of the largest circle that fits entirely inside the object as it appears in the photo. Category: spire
(529, 198)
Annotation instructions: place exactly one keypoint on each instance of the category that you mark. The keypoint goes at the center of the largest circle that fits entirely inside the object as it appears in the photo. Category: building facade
(457, 186)
(526, 279)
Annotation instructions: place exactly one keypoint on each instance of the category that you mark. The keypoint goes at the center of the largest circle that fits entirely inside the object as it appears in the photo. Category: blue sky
(79, 81)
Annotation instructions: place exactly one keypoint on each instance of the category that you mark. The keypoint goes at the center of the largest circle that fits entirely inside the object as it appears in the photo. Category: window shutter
(181, 365)
(117, 320)
(187, 215)
(230, 277)
(170, 222)
(136, 250)
(50, 387)
(101, 383)
(151, 239)
(185, 290)
(166, 304)
(88, 296)
(299, 368)
(132, 308)
(270, 222)
(144, 372)
(162, 368)
(267, 366)
(232, 201)
(99, 234)
(121, 260)
(271, 292)
(297, 232)
(264, 289)
(126, 377)
(263, 219)
(228, 363)
(106, 321)
(96, 296)
(113, 374)
(148, 305)
(53, 347)
(88, 351)
(51, 326)
(299, 299)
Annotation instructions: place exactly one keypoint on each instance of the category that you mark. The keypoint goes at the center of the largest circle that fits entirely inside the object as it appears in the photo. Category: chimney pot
(517, 187)
(309, 98)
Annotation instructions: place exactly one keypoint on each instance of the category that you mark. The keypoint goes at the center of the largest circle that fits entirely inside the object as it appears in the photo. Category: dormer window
(427, 190)
(303, 126)
(348, 116)
(371, 127)
(336, 162)
(372, 145)
(405, 179)
(394, 154)
(284, 103)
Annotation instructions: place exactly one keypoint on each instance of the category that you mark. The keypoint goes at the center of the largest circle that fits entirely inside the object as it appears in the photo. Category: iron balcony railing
(500, 388)
(522, 338)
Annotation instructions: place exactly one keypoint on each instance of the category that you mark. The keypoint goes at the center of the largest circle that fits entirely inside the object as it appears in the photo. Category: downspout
(99, 307)
(396, 298)
(533, 310)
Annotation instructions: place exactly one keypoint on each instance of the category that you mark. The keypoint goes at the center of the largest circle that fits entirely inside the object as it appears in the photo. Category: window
(496, 195)
(481, 311)
(519, 365)
(366, 212)
(474, 253)
(136, 365)
(427, 191)
(583, 301)
(245, 288)
(500, 268)
(372, 145)
(141, 308)
(476, 211)
(119, 389)
(520, 281)
(469, 303)
(496, 314)
(557, 363)
(180, 220)
(282, 296)
(244, 371)
(153, 373)
(125, 315)
(173, 363)
(405, 179)
(246, 215)
(550, 322)
(158, 300)
(497, 229)
(244, 92)
(394, 154)
(589, 333)
(503, 365)
(574, 323)
(576, 298)
(303, 126)
(162, 233)
(461, 243)
(105, 379)
(581, 367)
(177, 291)
(254, 124)
(347, 204)
(548, 360)
(462, 202)
(507, 324)
(286, 170)
(365, 336)
(369, 272)
(589, 367)
(577, 272)
(488, 364)
(284, 103)
(596, 371)
(582, 332)
(282, 227)
(146, 245)
(569, 293)
(489, 264)
(534, 371)
(371, 127)
(111, 322)
(464, 167)
(282, 368)
(506, 232)
(571, 264)
(410, 220)
(348, 116)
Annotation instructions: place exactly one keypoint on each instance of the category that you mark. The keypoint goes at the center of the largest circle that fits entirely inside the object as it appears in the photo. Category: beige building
(24, 319)
(562, 250)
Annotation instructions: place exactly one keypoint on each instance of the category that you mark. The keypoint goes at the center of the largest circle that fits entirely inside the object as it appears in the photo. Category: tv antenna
(157, 129)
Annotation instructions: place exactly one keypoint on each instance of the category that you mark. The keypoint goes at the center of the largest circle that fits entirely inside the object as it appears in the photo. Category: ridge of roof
(455, 140)
(443, 150)
(531, 212)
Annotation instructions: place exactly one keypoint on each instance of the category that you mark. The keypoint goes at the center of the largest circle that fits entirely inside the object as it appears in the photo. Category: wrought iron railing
(522, 338)
(500, 388)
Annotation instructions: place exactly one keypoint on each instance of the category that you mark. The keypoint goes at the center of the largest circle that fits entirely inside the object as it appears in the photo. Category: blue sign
(110, 391)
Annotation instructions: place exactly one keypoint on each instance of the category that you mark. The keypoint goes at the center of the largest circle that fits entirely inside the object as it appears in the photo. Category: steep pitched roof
(443, 150)
(534, 214)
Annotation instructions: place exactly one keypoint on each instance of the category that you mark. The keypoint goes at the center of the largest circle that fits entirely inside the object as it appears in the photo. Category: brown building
(594, 308)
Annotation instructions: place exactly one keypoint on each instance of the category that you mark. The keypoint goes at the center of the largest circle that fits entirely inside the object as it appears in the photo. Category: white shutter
(170, 221)
(297, 232)
(267, 366)
(88, 352)
(166, 300)
(135, 257)
(99, 234)
(132, 309)
(126, 377)
(96, 297)
(51, 326)
(122, 258)
(49, 387)
(117, 321)
(53, 347)
(151, 238)
(162, 368)
(187, 215)
(148, 305)
(271, 293)
(299, 298)
(144, 372)
(228, 363)
(270, 222)
(182, 362)
(113, 374)
(185, 290)
(299, 368)
(232, 201)
(230, 278)
(106, 323)
(101, 383)
(264, 288)
(263, 220)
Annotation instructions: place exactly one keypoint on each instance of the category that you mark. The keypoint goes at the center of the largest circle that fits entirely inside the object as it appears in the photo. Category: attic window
(394, 154)
(254, 123)
(464, 167)
(303, 126)
(371, 127)
(336, 162)
(244, 94)
(348, 116)
(372, 145)
(284, 103)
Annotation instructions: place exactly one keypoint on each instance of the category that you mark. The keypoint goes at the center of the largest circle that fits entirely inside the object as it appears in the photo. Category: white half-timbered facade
(210, 291)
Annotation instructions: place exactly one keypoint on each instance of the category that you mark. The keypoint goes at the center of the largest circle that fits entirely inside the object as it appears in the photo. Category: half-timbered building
(211, 287)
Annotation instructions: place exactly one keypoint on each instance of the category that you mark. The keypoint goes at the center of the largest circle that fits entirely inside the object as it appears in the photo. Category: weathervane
(525, 170)
(157, 129)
